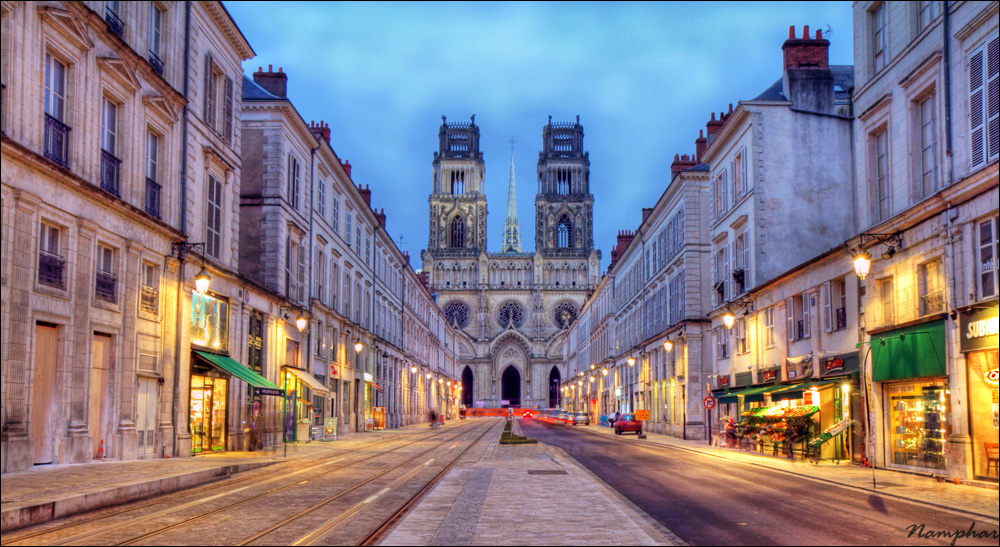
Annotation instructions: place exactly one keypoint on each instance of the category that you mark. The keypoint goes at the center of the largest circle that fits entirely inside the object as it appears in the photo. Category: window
(149, 293)
(336, 215)
(769, 327)
(56, 131)
(348, 226)
(113, 16)
(987, 243)
(110, 164)
(320, 273)
(740, 174)
(931, 278)
(334, 277)
(255, 344)
(458, 232)
(458, 182)
(293, 182)
(357, 239)
(300, 274)
(984, 103)
(797, 316)
(881, 207)
(152, 174)
(885, 300)
(827, 296)
(368, 249)
(320, 341)
(213, 226)
(880, 39)
(565, 233)
(722, 342)
(720, 271)
(721, 194)
(218, 89)
(321, 199)
(926, 12)
(742, 347)
(927, 119)
(741, 262)
(105, 287)
(155, 38)
(51, 265)
(347, 294)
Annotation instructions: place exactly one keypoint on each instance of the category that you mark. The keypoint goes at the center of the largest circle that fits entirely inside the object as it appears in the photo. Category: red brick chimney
(805, 52)
(700, 144)
(713, 127)
(347, 167)
(422, 276)
(275, 83)
(680, 163)
(624, 238)
(366, 193)
(320, 130)
(380, 215)
(646, 211)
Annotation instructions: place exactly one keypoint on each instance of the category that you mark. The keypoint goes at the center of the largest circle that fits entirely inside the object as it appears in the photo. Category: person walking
(615, 419)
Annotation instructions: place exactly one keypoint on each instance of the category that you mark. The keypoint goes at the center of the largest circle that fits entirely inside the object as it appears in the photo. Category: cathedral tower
(457, 201)
(564, 219)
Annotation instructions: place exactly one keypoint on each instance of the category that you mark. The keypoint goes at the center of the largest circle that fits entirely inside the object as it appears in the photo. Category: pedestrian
(617, 415)
(433, 416)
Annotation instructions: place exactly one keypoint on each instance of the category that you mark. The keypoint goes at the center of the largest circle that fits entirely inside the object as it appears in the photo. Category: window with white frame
(336, 214)
(741, 262)
(320, 273)
(334, 282)
(153, 186)
(55, 88)
(928, 142)
(348, 226)
(927, 11)
(156, 36)
(879, 175)
(931, 287)
(218, 92)
(797, 316)
(213, 224)
(879, 36)
(742, 345)
(769, 327)
(51, 264)
(721, 194)
(722, 342)
(106, 283)
(109, 126)
(347, 295)
(149, 292)
(740, 174)
(293, 181)
(984, 104)
(321, 199)
(987, 250)
(720, 273)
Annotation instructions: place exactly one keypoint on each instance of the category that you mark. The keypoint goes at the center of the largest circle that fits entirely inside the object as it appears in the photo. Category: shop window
(920, 423)
(209, 321)
(987, 250)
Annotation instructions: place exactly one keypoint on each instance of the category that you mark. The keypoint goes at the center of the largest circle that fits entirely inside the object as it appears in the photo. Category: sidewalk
(50, 492)
(524, 495)
(979, 500)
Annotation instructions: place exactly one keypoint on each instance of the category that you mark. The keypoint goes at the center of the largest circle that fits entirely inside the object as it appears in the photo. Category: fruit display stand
(781, 428)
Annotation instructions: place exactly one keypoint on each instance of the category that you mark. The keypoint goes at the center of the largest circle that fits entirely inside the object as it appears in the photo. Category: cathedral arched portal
(511, 387)
(555, 384)
(467, 387)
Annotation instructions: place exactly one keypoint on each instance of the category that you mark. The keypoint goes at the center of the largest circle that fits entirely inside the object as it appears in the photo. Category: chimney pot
(791, 32)
(805, 32)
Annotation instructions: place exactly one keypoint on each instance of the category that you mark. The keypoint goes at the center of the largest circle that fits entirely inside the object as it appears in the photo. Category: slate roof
(843, 79)
(253, 92)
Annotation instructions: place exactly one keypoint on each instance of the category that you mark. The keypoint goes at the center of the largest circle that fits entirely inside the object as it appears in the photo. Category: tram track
(361, 455)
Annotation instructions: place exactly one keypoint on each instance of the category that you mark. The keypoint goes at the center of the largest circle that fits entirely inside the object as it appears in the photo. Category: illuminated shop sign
(979, 329)
(209, 322)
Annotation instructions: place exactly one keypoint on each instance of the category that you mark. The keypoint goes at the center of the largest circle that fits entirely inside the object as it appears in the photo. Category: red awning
(377, 387)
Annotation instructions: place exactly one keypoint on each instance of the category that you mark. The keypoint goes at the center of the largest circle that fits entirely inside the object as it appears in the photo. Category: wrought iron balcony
(932, 303)
(156, 62)
(106, 286)
(115, 22)
(110, 173)
(50, 270)
(841, 318)
(153, 197)
(149, 299)
(56, 141)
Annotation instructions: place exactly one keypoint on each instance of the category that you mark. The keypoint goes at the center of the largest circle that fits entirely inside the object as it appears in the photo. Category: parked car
(627, 422)
(565, 417)
(581, 418)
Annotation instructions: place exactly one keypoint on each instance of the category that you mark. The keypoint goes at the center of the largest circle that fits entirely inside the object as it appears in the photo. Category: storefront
(979, 344)
(909, 367)
(841, 403)
(304, 397)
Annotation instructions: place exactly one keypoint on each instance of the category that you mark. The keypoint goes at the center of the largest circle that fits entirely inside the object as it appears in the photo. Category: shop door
(357, 405)
(145, 423)
(100, 393)
(43, 391)
(857, 429)
(208, 413)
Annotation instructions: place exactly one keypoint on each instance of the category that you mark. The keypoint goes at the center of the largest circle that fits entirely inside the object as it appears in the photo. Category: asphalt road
(710, 501)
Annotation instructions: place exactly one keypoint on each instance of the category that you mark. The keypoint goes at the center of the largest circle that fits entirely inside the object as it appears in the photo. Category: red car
(627, 422)
(527, 414)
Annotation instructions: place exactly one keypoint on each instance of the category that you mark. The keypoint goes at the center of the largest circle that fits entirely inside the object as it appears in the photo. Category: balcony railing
(50, 270)
(153, 197)
(56, 141)
(106, 286)
(841, 318)
(156, 62)
(110, 172)
(149, 299)
(115, 22)
(932, 303)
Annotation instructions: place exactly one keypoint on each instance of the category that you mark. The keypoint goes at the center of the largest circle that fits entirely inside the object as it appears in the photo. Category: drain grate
(548, 472)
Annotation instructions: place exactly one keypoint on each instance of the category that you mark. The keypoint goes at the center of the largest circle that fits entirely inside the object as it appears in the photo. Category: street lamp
(413, 369)
(358, 346)
(604, 371)
(631, 361)
(668, 346)
(862, 264)
(201, 279)
(729, 319)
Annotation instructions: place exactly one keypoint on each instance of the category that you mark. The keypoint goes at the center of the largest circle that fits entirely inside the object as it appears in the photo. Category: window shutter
(301, 277)
(806, 327)
(976, 92)
(743, 171)
(206, 111)
(827, 308)
(725, 273)
(228, 121)
(711, 200)
(993, 98)
(790, 318)
(289, 283)
(715, 277)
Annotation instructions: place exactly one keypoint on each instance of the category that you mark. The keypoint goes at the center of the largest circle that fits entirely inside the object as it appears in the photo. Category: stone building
(927, 140)
(512, 308)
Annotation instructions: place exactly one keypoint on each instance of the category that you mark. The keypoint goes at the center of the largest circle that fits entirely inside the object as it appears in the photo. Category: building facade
(511, 308)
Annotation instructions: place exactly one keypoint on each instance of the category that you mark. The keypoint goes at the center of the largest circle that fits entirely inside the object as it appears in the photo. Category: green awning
(237, 370)
(917, 351)
(796, 391)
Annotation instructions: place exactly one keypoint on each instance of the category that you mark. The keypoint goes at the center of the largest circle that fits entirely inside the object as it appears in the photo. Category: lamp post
(201, 279)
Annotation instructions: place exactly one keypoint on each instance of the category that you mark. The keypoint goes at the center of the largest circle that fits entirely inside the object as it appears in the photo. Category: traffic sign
(709, 402)
(642, 414)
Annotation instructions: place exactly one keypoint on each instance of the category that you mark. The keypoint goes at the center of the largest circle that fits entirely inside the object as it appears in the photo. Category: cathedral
(513, 307)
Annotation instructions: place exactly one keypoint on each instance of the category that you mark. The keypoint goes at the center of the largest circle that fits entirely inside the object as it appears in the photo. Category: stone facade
(512, 308)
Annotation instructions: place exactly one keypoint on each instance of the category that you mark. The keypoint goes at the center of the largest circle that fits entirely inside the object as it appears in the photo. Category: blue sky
(643, 77)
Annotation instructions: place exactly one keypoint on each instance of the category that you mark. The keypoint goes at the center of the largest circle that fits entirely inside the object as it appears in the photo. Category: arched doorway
(467, 387)
(555, 382)
(511, 387)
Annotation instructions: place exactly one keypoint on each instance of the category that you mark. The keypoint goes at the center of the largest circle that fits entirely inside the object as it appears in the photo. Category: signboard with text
(978, 329)
(642, 414)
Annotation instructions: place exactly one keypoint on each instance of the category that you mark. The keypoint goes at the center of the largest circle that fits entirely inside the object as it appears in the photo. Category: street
(711, 501)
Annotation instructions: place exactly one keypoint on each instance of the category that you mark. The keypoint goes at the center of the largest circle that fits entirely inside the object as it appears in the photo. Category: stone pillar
(168, 362)
(128, 445)
(80, 444)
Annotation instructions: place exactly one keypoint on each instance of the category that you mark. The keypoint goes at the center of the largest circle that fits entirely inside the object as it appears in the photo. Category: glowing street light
(668, 346)
(862, 264)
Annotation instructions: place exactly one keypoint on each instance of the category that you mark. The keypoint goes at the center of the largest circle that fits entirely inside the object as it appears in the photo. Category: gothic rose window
(564, 314)
(510, 314)
(457, 313)
(458, 232)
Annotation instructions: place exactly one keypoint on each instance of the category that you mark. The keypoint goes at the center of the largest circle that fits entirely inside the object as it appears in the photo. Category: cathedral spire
(511, 231)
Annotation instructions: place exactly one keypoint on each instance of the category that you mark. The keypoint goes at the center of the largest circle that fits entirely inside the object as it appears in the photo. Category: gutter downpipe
(312, 259)
(183, 226)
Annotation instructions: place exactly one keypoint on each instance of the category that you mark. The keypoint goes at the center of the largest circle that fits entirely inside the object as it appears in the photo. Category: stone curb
(821, 479)
(17, 517)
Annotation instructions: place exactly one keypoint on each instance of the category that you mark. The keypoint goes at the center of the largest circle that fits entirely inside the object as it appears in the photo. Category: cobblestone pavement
(525, 495)
(980, 500)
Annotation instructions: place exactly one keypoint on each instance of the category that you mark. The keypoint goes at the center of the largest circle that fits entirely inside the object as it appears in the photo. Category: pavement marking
(373, 497)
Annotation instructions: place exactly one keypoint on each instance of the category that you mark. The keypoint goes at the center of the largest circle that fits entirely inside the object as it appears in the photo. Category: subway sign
(979, 329)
